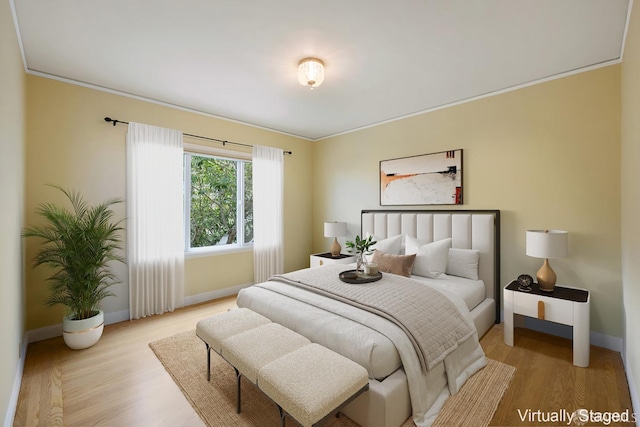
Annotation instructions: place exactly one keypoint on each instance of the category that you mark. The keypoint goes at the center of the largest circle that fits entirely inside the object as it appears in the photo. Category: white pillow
(431, 258)
(390, 245)
(463, 263)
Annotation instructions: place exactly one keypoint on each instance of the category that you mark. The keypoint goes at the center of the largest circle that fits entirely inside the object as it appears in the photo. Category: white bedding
(368, 339)
(375, 352)
(472, 292)
(360, 343)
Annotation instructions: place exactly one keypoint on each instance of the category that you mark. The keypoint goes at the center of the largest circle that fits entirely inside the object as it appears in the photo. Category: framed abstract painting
(428, 179)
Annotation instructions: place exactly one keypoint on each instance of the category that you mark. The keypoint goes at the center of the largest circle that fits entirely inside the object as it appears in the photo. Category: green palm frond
(78, 244)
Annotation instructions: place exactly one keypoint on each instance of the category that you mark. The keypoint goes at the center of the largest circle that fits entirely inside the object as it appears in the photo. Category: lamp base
(546, 277)
(335, 248)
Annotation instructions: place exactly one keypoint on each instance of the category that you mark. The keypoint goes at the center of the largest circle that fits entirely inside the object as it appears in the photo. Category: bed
(401, 385)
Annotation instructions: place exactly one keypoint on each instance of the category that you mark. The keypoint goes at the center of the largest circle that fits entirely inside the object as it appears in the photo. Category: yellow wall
(70, 145)
(12, 142)
(547, 156)
(631, 199)
(551, 155)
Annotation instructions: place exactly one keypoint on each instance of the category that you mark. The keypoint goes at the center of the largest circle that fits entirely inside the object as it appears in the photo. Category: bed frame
(468, 229)
(387, 403)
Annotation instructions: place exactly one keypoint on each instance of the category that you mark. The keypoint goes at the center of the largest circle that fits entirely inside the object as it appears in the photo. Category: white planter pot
(79, 334)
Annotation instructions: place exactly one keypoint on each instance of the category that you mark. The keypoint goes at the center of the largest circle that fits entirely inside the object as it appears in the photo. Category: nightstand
(318, 260)
(568, 306)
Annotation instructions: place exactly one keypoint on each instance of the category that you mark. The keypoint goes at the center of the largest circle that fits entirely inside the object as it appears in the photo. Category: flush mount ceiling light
(311, 72)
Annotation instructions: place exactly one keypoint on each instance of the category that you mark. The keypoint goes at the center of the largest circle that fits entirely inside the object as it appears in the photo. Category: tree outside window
(218, 201)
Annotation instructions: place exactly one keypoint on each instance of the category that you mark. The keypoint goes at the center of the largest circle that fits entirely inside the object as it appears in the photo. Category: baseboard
(633, 391)
(606, 341)
(596, 338)
(44, 333)
(115, 317)
(17, 382)
(53, 331)
(219, 293)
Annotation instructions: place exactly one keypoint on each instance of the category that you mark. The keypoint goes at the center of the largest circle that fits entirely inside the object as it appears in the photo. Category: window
(218, 203)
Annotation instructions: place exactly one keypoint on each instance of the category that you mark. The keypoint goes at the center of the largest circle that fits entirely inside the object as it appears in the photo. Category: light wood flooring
(120, 382)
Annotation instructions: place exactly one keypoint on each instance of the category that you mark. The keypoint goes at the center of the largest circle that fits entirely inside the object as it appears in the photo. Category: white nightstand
(568, 306)
(318, 260)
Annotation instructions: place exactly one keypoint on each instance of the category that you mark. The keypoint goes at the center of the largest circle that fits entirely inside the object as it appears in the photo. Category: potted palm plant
(78, 245)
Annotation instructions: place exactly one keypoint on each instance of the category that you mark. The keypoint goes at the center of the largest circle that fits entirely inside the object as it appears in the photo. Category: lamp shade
(335, 229)
(547, 243)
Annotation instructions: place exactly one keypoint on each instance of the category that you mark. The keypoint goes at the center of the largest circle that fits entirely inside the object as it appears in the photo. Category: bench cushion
(311, 382)
(215, 329)
(251, 350)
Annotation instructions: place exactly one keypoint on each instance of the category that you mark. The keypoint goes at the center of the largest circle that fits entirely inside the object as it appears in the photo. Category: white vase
(80, 334)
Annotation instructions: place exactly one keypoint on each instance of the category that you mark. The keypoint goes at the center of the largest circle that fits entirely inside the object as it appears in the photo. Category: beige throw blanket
(432, 322)
(425, 388)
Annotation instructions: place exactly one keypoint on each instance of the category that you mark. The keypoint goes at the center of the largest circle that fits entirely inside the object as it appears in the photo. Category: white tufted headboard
(478, 229)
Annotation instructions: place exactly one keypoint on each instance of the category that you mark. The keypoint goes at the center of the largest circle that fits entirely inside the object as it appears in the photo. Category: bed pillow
(390, 245)
(463, 263)
(431, 258)
(395, 264)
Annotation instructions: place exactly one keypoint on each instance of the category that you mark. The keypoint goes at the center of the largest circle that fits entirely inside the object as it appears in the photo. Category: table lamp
(335, 229)
(547, 244)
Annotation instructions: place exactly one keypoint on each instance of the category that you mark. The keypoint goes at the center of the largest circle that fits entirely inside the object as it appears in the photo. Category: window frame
(239, 156)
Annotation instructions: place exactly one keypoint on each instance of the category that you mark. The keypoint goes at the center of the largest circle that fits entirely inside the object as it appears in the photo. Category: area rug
(184, 357)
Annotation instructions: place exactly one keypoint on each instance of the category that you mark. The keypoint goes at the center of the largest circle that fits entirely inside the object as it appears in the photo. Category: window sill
(215, 251)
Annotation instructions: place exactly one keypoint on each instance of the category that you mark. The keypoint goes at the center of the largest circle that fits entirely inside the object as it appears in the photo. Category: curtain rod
(223, 142)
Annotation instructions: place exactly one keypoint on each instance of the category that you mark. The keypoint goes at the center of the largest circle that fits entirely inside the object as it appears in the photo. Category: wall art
(428, 179)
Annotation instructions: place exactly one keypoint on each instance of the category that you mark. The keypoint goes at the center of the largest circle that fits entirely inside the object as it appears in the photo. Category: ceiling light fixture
(311, 72)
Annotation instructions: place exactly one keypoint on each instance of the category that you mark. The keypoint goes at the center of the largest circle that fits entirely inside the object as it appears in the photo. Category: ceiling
(384, 59)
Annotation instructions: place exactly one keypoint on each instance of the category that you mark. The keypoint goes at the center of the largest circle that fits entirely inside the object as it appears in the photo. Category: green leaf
(360, 245)
(77, 245)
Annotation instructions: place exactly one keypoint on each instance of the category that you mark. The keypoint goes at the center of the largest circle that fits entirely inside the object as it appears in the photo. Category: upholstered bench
(215, 329)
(249, 351)
(312, 383)
(307, 381)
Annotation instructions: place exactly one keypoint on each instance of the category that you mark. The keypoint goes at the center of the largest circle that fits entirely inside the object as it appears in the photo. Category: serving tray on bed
(350, 276)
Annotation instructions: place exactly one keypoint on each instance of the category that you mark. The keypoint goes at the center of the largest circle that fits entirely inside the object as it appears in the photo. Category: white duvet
(472, 292)
(342, 331)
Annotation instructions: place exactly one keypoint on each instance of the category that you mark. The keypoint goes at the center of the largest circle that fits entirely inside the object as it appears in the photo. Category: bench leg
(282, 415)
(238, 398)
(208, 362)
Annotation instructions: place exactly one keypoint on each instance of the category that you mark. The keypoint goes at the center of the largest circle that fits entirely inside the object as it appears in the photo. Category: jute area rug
(184, 357)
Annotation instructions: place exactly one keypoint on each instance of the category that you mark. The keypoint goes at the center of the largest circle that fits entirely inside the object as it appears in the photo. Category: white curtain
(268, 207)
(155, 220)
